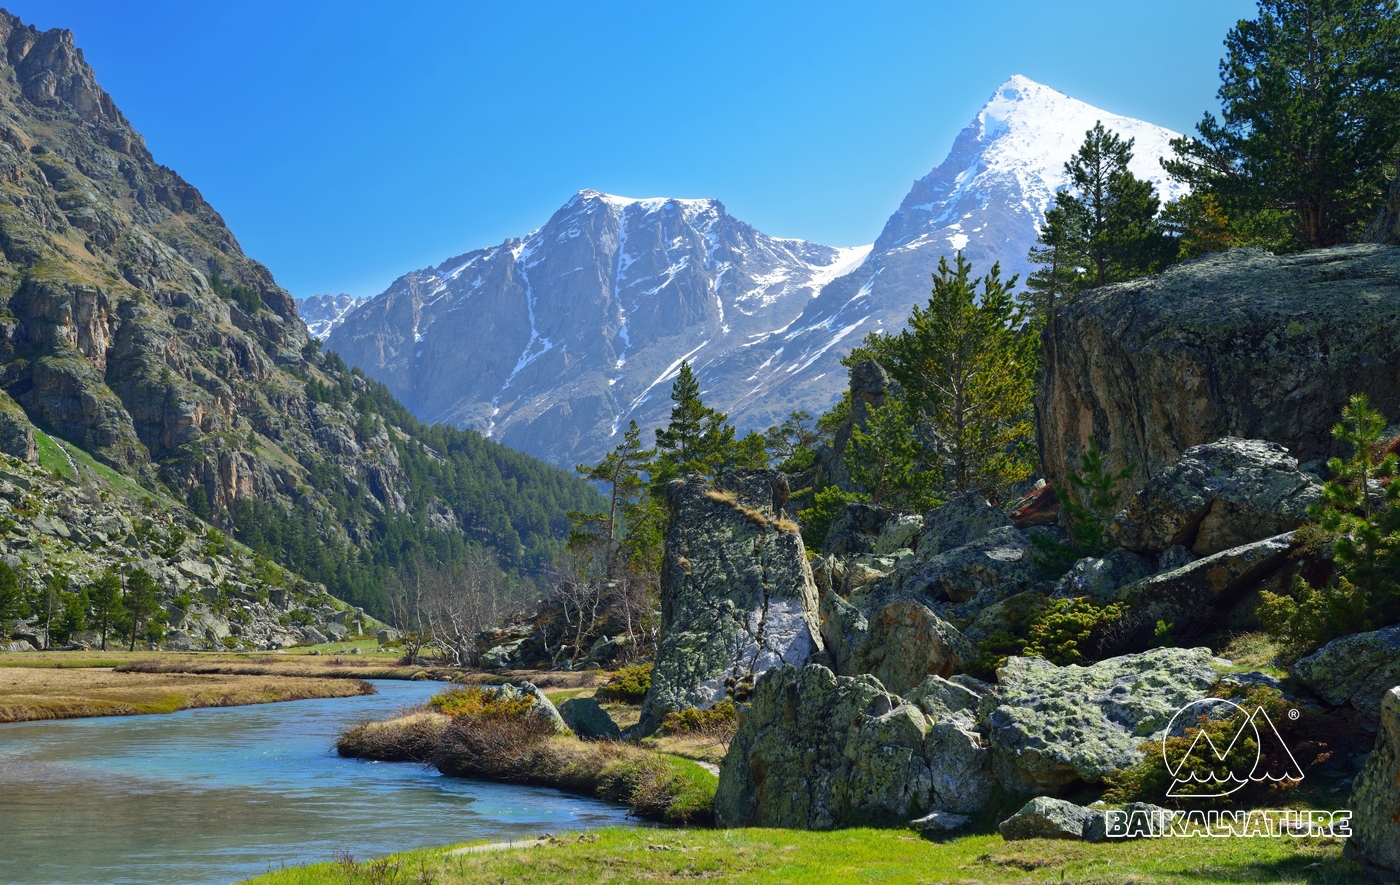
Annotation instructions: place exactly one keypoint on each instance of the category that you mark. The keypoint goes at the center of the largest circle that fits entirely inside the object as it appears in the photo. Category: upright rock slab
(737, 596)
(1375, 799)
(1241, 343)
(1217, 496)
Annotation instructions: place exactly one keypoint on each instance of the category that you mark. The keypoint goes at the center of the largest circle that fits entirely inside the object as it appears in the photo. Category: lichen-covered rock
(539, 704)
(899, 533)
(1240, 343)
(1050, 726)
(1217, 496)
(1099, 578)
(1196, 595)
(1046, 818)
(855, 529)
(1001, 558)
(1356, 669)
(1375, 799)
(905, 643)
(937, 822)
(818, 751)
(737, 595)
(589, 720)
(963, 520)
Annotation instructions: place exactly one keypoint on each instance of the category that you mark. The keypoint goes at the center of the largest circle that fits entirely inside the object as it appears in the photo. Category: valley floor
(28, 693)
(788, 857)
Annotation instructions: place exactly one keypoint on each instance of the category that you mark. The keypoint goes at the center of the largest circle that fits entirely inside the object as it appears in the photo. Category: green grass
(847, 857)
(51, 456)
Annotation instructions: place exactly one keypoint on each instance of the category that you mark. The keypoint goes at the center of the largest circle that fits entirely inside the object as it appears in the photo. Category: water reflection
(220, 795)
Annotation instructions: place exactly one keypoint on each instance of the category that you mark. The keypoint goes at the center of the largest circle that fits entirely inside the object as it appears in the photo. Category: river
(216, 796)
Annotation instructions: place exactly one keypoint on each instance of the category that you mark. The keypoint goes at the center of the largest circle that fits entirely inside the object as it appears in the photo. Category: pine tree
(1113, 212)
(697, 440)
(139, 601)
(886, 459)
(968, 362)
(1310, 91)
(1060, 260)
(620, 472)
(105, 595)
(12, 604)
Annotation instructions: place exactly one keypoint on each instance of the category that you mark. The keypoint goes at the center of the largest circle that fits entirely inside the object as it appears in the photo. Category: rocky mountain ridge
(553, 342)
(133, 326)
(322, 313)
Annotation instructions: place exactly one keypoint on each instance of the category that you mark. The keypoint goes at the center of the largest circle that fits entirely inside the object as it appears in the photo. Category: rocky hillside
(64, 515)
(133, 326)
(553, 342)
(1242, 343)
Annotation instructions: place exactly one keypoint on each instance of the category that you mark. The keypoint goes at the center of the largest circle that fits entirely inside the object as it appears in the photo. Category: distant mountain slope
(322, 313)
(132, 325)
(554, 342)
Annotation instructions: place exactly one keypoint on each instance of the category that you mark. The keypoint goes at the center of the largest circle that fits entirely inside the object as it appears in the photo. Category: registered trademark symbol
(1293, 715)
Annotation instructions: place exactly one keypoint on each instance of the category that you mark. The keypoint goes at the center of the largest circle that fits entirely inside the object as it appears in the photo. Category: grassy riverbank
(788, 857)
(28, 694)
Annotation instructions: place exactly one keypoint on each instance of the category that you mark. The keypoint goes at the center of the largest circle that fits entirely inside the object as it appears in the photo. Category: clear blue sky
(348, 142)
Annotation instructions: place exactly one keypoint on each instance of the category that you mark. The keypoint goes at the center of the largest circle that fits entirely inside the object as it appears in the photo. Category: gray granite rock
(1375, 799)
(962, 520)
(1358, 670)
(588, 720)
(1046, 818)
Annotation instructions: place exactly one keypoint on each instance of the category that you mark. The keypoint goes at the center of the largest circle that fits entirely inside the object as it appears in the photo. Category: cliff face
(1242, 344)
(132, 325)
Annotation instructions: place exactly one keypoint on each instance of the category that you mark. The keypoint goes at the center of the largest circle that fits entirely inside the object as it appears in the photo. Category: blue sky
(346, 143)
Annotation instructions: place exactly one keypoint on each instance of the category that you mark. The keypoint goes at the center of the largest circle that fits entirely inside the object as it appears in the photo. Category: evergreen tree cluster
(110, 606)
(505, 502)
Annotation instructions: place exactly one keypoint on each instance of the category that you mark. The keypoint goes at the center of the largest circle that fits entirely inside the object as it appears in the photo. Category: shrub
(1089, 518)
(816, 520)
(484, 704)
(718, 722)
(1059, 630)
(628, 685)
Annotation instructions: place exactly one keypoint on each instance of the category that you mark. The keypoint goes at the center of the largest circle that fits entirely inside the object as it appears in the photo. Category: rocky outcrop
(1099, 578)
(1052, 726)
(961, 521)
(1216, 496)
(903, 644)
(819, 751)
(737, 595)
(1357, 670)
(1375, 799)
(1241, 343)
(16, 433)
(855, 529)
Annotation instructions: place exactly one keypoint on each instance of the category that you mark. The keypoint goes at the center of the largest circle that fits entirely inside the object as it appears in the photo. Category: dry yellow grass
(49, 693)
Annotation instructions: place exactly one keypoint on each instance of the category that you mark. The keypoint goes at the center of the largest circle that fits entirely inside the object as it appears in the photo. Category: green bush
(628, 685)
(1058, 630)
(816, 520)
(720, 721)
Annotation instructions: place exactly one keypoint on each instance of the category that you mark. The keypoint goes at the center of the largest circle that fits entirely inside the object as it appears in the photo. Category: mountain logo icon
(1229, 748)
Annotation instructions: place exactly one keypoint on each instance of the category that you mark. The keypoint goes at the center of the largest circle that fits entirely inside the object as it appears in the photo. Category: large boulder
(1001, 559)
(964, 519)
(1355, 670)
(1046, 818)
(588, 720)
(818, 751)
(905, 643)
(1217, 496)
(1241, 343)
(855, 529)
(1100, 577)
(540, 705)
(737, 596)
(1052, 726)
(1375, 799)
(1195, 596)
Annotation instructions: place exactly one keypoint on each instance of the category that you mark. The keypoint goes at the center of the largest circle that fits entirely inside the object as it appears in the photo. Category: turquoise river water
(216, 796)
